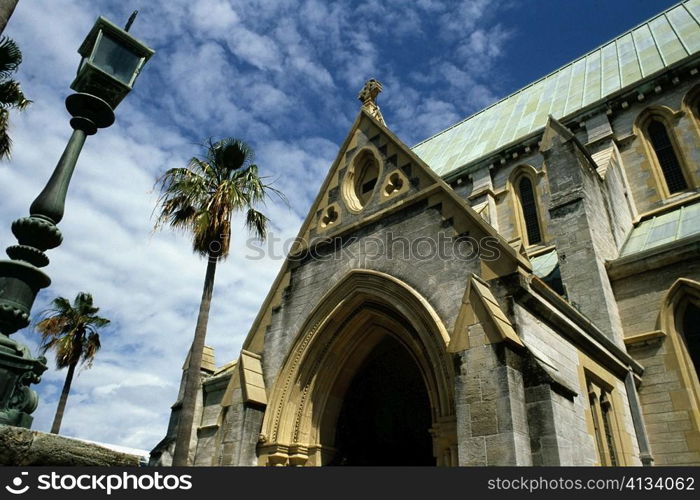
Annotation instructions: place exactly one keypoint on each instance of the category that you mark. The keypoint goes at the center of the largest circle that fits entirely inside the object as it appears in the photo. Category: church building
(522, 288)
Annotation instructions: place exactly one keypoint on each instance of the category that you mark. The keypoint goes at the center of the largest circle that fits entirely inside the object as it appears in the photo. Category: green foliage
(202, 197)
(11, 95)
(71, 331)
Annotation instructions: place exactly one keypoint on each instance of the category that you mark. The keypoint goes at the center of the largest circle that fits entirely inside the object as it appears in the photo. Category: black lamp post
(111, 61)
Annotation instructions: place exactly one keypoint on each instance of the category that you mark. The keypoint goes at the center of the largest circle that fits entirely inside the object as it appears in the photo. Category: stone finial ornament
(368, 97)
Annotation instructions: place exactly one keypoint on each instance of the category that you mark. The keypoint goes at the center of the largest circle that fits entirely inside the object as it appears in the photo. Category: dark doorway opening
(386, 414)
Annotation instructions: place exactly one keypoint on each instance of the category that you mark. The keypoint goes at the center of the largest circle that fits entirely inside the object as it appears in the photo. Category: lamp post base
(17, 371)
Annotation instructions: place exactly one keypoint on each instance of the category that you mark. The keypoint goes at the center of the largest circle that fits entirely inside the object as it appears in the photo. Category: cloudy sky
(282, 75)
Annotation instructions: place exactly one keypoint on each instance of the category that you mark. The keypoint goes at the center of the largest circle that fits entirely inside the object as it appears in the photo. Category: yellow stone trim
(347, 185)
(494, 313)
(644, 337)
(689, 104)
(677, 357)
(589, 372)
(514, 179)
(668, 117)
(298, 426)
(252, 381)
(390, 189)
(330, 217)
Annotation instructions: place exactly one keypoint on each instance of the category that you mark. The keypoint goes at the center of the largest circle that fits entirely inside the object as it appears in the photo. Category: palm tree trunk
(62, 401)
(193, 376)
(6, 9)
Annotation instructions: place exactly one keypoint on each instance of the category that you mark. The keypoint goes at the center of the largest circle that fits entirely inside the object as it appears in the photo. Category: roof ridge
(559, 69)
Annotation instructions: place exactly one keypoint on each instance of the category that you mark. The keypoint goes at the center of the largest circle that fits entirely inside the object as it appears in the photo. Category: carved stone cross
(368, 97)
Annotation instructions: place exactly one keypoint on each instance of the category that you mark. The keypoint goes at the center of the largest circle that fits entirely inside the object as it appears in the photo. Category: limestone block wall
(640, 295)
(580, 225)
(440, 280)
(492, 423)
(670, 417)
(20, 447)
(668, 393)
(565, 435)
(209, 429)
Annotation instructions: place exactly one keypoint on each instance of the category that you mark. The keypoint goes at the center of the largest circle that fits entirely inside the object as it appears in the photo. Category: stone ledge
(22, 447)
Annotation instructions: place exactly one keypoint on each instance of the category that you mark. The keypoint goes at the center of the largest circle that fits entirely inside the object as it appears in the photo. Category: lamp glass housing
(111, 60)
(116, 59)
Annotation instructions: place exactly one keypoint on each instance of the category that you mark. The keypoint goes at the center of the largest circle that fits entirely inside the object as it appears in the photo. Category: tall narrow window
(528, 203)
(667, 157)
(600, 405)
(606, 410)
(691, 333)
(593, 404)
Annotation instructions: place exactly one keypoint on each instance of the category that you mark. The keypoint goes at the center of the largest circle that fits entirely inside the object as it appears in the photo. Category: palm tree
(71, 331)
(11, 95)
(200, 199)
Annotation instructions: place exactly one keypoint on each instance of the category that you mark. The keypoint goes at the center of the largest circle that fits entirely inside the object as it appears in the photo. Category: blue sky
(282, 75)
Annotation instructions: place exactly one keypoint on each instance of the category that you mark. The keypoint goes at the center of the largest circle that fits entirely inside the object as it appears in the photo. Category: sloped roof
(675, 225)
(646, 49)
(544, 264)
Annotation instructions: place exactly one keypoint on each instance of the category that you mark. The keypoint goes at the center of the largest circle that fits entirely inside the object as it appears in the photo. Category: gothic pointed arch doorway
(367, 382)
(385, 418)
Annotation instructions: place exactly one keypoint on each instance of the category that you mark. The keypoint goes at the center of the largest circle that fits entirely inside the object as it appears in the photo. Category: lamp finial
(131, 20)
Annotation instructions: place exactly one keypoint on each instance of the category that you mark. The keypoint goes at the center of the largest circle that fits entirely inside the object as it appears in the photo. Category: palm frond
(11, 95)
(70, 330)
(90, 348)
(10, 57)
(5, 141)
(202, 197)
(256, 222)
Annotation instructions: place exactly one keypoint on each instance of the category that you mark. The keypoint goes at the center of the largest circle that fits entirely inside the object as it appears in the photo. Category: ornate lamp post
(111, 61)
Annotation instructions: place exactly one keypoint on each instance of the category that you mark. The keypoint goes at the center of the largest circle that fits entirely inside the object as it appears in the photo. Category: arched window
(666, 156)
(528, 206)
(689, 324)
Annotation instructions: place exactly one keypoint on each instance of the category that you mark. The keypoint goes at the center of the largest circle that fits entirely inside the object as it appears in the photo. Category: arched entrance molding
(364, 307)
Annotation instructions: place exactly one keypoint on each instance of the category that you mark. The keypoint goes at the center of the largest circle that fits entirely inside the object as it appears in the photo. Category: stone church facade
(522, 288)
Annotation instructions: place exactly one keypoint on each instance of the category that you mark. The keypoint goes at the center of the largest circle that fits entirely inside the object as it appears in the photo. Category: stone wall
(441, 281)
(667, 394)
(22, 447)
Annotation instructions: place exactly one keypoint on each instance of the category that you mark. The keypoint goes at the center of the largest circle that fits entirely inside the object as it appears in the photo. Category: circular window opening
(361, 180)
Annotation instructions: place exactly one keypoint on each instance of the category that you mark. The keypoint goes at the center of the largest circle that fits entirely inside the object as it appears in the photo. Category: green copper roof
(652, 46)
(671, 226)
(544, 264)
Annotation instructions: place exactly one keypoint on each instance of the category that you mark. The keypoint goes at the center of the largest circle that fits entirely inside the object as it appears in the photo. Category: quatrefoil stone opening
(395, 184)
(329, 217)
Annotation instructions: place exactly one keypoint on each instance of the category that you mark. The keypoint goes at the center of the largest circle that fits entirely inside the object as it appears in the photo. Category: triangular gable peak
(373, 176)
(376, 174)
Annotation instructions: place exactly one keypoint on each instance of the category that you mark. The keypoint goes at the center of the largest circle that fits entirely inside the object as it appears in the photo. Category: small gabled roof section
(479, 306)
(645, 50)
